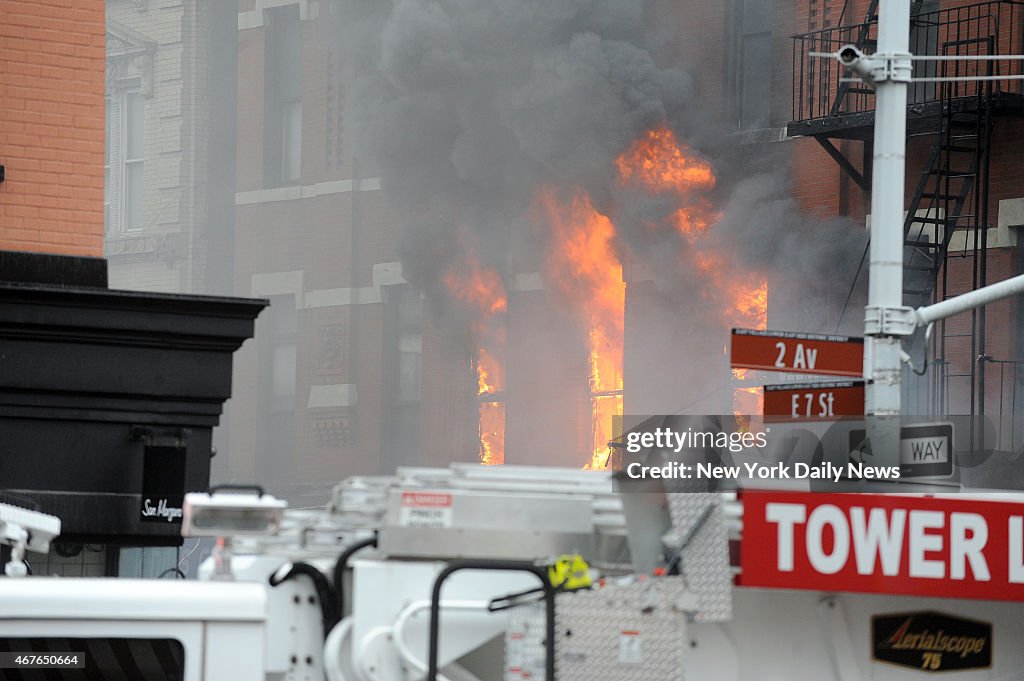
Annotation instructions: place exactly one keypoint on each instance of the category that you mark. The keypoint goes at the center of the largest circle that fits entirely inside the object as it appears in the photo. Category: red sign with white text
(883, 543)
(813, 401)
(798, 353)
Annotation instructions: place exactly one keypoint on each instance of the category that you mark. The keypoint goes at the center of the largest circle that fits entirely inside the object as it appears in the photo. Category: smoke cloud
(469, 106)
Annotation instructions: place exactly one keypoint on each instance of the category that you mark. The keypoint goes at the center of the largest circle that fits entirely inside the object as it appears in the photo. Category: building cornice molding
(130, 57)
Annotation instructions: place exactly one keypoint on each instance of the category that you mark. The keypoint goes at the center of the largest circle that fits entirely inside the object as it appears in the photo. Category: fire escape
(948, 212)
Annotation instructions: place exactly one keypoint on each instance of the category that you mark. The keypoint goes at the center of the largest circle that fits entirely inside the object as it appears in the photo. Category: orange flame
(658, 163)
(490, 378)
(491, 381)
(492, 433)
(585, 266)
(749, 309)
(481, 290)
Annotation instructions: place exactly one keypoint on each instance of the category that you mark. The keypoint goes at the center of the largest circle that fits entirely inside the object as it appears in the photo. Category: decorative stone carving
(129, 59)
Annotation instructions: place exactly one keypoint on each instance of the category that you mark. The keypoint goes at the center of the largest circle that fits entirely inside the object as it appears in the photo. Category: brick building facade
(51, 142)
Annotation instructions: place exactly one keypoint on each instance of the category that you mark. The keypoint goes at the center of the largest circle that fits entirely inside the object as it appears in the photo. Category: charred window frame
(750, 61)
(283, 97)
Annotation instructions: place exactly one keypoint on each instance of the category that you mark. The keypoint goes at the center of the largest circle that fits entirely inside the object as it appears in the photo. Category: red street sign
(883, 543)
(813, 401)
(800, 353)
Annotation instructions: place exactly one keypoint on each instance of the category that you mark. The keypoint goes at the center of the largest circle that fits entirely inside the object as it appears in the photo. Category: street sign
(926, 450)
(801, 353)
(813, 401)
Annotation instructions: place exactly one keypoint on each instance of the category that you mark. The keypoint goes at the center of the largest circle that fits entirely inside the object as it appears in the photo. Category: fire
(749, 309)
(492, 433)
(586, 267)
(659, 164)
(478, 288)
(481, 290)
(490, 377)
(490, 384)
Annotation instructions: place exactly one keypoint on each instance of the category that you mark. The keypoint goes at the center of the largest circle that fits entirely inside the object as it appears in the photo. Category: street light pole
(886, 320)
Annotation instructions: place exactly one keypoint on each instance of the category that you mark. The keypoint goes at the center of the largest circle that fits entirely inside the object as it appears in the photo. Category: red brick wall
(52, 69)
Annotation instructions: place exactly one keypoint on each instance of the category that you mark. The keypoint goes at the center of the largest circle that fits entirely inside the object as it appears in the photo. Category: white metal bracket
(897, 320)
(875, 68)
(891, 66)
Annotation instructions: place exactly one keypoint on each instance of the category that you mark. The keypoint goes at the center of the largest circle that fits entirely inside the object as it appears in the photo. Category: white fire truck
(470, 573)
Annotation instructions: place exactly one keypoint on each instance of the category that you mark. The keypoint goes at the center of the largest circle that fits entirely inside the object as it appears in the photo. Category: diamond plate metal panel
(704, 563)
(622, 632)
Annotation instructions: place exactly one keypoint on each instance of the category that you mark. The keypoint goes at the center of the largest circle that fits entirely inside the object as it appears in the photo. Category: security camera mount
(22, 529)
(878, 67)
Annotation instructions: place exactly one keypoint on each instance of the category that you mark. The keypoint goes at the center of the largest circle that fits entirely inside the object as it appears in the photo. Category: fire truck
(472, 573)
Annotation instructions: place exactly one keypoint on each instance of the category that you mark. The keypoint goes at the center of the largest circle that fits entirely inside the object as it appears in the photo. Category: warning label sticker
(630, 651)
(425, 509)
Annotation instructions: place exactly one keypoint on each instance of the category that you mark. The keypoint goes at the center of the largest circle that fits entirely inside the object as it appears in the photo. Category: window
(106, 173)
(410, 350)
(283, 126)
(924, 40)
(281, 336)
(408, 317)
(276, 332)
(133, 132)
(124, 162)
(752, 61)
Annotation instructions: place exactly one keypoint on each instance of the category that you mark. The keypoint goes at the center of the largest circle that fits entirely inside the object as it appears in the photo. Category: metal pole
(970, 300)
(885, 319)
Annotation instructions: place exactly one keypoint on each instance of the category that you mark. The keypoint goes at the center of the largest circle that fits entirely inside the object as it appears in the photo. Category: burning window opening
(490, 392)
(481, 291)
(585, 266)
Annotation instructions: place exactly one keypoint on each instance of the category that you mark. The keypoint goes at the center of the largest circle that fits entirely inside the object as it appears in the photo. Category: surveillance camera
(858, 62)
(39, 528)
(849, 55)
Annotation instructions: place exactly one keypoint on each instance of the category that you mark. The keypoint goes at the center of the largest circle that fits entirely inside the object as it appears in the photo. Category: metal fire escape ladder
(936, 210)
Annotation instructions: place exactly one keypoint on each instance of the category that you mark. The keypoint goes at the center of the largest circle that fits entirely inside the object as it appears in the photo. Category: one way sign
(926, 450)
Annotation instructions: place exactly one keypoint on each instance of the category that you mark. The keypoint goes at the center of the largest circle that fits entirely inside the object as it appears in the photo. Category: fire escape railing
(818, 89)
